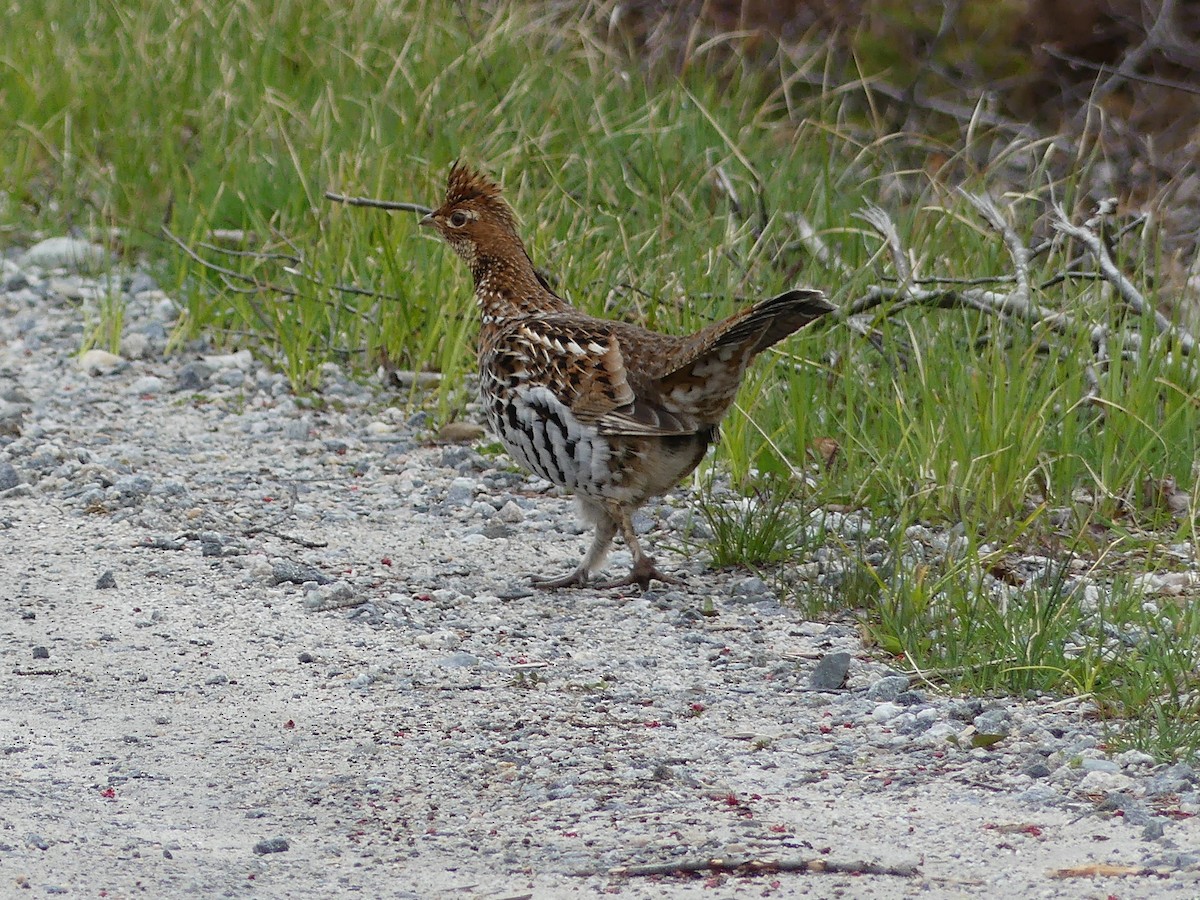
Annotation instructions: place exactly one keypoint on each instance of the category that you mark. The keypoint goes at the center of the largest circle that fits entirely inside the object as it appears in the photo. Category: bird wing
(581, 363)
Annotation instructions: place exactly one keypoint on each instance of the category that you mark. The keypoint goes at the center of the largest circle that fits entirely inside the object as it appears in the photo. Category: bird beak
(427, 220)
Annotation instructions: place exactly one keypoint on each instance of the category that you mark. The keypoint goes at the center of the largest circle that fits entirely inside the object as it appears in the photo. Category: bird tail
(704, 377)
(769, 321)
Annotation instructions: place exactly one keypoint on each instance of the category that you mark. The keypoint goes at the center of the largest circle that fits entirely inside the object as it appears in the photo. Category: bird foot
(577, 578)
(643, 572)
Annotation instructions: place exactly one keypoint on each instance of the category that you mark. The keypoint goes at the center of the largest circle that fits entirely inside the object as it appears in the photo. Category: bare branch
(886, 229)
(811, 241)
(1125, 288)
(757, 867)
(987, 208)
(378, 204)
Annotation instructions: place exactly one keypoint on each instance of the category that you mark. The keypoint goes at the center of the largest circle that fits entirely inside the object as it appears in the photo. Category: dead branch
(886, 229)
(378, 204)
(1020, 254)
(756, 867)
(1129, 294)
(808, 238)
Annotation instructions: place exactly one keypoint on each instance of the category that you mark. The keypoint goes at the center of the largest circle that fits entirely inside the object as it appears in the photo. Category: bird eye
(458, 218)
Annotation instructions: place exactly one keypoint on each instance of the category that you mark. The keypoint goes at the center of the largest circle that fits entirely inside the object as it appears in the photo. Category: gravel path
(256, 649)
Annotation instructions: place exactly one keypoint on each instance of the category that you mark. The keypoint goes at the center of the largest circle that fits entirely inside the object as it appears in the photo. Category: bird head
(474, 216)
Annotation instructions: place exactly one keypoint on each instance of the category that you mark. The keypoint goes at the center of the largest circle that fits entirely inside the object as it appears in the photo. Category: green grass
(240, 115)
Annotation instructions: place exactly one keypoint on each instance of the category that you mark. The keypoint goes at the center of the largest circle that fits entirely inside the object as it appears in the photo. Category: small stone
(442, 639)
(830, 673)
(218, 679)
(136, 345)
(106, 581)
(147, 384)
(888, 689)
(41, 653)
(1036, 770)
(132, 489)
(306, 657)
(992, 723)
(1104, 783)
(406, 379)
(752, 586)
(100, 362)
(36, 841)
(461, 492)
(459, 660)
(1154, 829)
(460, 432)
(271, 845)
(65, 253)
(140, 283)
(284, 570)
(335, 595)
(8, 476)
(193, 376)
(511, 513)
(230, 377)
(1098, 764)
(885, 712)
(1134, 758)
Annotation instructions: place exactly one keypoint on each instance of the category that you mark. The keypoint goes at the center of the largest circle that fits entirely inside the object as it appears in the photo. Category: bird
(612, 412)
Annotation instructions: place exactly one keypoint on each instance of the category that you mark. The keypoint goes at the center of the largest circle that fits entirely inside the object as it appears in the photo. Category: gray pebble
(830, 673)
(459, 660)
(230, 377)
(752, 586)
(8, 476)
(271, 845)
(140, 283)
(461, 491)
(193, 376)
(65, 253)
(306, 657)
(106, 581)
(993, 722)
(41, 653)
(132, 489)
(147, 384)
(285, 570)
(36, 841)
(888, 688)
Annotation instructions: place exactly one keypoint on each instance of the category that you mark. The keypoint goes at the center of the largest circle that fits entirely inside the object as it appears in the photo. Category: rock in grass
(100, 362)
(65, 253)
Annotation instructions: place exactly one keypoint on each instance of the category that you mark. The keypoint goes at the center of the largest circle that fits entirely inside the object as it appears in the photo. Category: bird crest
(465, 184)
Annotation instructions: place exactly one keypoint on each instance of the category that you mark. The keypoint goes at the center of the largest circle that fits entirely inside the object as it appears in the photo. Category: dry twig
(757, 867)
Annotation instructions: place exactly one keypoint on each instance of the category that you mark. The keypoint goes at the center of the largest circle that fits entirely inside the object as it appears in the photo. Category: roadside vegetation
(1010, 402)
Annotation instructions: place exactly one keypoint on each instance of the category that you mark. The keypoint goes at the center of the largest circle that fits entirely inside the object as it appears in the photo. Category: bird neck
(507, 286)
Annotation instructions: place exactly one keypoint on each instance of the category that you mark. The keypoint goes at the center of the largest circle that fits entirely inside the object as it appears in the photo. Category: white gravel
(255, 648)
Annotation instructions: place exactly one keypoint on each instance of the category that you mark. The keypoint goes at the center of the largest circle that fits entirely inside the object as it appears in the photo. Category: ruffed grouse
(611, 411)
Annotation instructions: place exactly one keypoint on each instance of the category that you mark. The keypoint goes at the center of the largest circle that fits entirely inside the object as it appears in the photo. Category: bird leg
(644, 568)
(606, 530)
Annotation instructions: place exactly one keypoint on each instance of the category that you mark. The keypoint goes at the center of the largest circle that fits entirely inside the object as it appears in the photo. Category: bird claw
(642, 574)
(578, 578)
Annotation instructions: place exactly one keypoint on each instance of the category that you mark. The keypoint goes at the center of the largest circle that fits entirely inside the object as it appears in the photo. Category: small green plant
(763, 528)
(104, 321)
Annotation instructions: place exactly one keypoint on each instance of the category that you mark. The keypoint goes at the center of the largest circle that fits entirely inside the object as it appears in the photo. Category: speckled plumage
(613, 412)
